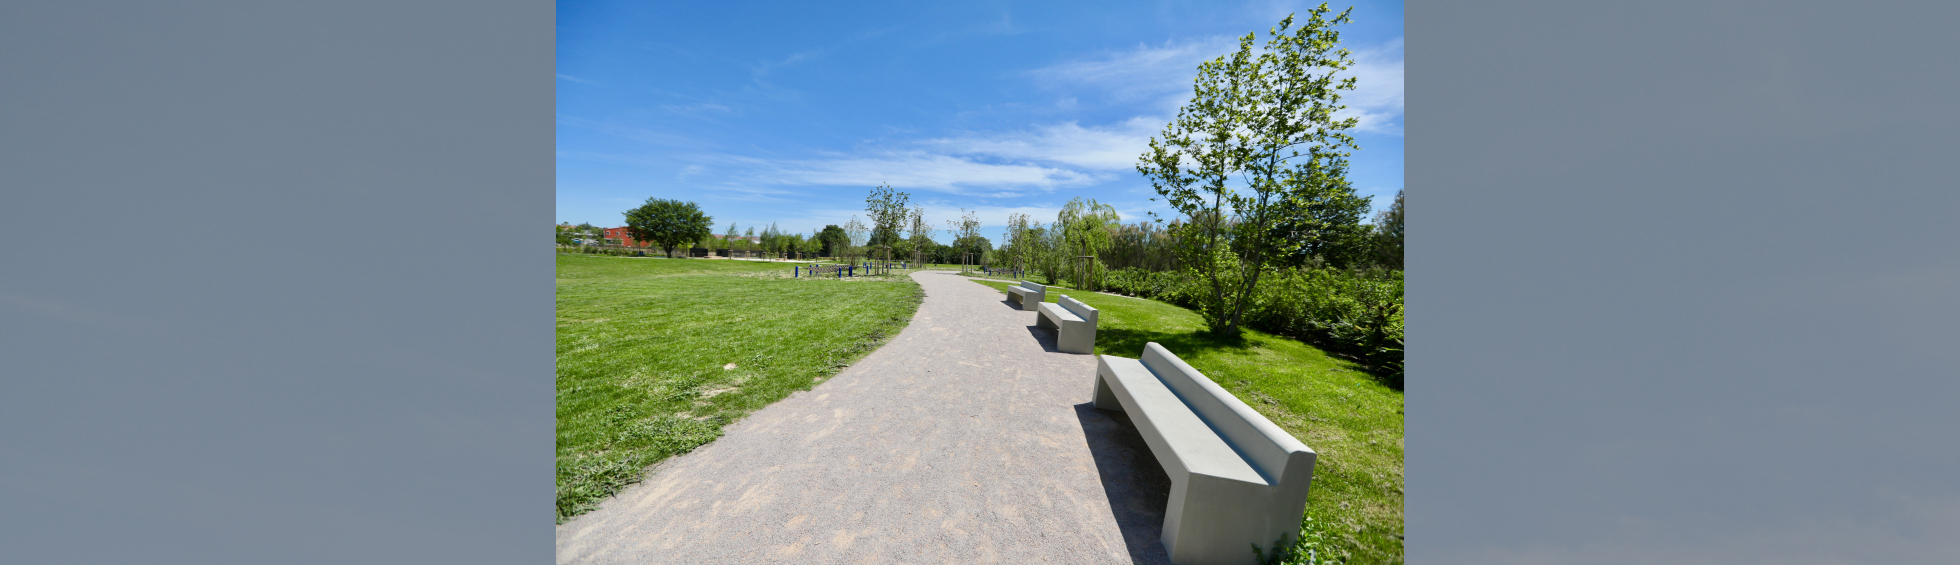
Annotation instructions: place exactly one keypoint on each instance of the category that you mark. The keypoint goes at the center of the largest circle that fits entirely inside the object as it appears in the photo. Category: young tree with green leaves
(967, 238)
(1262, 120)
(887, 210)
(1014, 245)
(668, 223)
(856, 234)
(921, 239)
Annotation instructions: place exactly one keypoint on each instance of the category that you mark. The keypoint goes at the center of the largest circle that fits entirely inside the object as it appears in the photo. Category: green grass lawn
(1352, 421)
(655, 355)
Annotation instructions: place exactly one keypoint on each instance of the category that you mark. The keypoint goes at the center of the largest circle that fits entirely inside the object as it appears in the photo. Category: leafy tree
(1085, 227)
(1250, 116)
(1388, 235)
(1327, 227)
(966, 237)
(887, 210)
(856, 233)
(832, 240)
(728, 239)
(921, 233)
(1014, 243)
(668, 223)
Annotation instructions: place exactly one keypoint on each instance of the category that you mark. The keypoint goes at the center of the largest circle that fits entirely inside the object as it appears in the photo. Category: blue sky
(790, 112)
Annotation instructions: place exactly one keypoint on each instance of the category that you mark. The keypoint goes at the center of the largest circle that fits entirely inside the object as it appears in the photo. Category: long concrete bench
(1237, 480)
(1074, 323)
(1028, 294)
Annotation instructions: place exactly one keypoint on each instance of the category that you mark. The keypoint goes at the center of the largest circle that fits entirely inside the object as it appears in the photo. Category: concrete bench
(1236, 479)
(1028, 294)
(1074, 323)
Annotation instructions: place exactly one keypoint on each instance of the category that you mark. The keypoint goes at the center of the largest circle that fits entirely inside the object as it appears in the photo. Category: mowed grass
(1352, 422)
(645, 347)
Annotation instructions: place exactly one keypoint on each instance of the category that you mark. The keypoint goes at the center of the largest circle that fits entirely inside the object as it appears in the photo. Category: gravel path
(968, 439)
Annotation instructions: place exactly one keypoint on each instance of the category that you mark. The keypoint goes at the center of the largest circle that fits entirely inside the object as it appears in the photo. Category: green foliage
(1328, 228)
(967, 239)
(1143, 245)
(668, 223)
(1357, 313)
(1251, 115)
(1350, 418)
(1388, 235)
(833, 240)
(888, 211)
(1087, 231)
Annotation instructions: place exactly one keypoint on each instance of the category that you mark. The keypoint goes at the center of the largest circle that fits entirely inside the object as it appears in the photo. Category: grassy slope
(642, 344)
(1353, 422)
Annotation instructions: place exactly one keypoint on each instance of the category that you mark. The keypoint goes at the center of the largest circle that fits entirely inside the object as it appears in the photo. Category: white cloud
(1377, 94)
(1143, 72)
(1110, 148)
(922, 170)
(1165, 72)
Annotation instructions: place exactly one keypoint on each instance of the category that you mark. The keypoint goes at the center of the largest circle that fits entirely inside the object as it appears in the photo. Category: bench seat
(1028, 294)
(1073, 321)
(1237, 480)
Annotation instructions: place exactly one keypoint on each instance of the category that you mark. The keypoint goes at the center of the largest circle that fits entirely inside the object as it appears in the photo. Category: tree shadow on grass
(1125, 342)
(1133, 481)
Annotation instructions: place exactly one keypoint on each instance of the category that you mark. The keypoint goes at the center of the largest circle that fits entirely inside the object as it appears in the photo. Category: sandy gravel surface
(966, 439)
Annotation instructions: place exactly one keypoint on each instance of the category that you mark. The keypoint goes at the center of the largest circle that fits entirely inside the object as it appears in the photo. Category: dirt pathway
(968, 439)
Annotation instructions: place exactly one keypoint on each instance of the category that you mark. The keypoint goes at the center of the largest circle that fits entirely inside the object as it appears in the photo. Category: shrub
(1357, 313)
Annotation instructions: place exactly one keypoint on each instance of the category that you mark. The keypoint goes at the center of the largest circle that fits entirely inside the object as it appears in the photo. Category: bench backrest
(1034, 287)
(1079, 309)
(1263, 444)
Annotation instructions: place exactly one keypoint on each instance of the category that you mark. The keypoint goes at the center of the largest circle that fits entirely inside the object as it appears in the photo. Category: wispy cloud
(1108, 148)
(1164, 72)
(1146, 71)
(1377, 94)
(576, 79)
(696, 109)
(922, 170)
(639, 134)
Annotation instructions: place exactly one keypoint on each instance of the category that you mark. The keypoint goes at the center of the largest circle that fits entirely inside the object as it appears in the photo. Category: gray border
(1683, 283)
(273, 288)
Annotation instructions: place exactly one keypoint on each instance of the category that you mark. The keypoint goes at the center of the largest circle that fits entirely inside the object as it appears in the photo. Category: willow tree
(1257, 139)
(1086, 227)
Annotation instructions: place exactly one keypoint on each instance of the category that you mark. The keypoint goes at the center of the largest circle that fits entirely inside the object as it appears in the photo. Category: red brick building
(619, 235)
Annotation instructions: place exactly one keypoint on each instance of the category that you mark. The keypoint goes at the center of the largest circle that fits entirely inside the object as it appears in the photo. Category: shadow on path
(1046, 337)
(1132, 479)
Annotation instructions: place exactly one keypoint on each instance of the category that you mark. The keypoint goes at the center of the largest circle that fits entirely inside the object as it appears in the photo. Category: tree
(887, 210)
(586, 233)
(1014, 244)
(921, 234)
(1327, 228)
(1388, 235)
(966, 236)
(1250, 116)
(668, 223)
(855, 231)
(1086, 227)
(833, 240)
(728, 239)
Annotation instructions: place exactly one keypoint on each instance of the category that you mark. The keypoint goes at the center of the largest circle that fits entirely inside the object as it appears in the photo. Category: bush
(1357, 313)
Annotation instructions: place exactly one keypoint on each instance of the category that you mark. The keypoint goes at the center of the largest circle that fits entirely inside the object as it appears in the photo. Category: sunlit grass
(656, 355)
(1352, 421)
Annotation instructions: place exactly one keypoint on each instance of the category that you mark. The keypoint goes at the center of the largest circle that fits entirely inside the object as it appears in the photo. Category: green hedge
(1353, 312)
